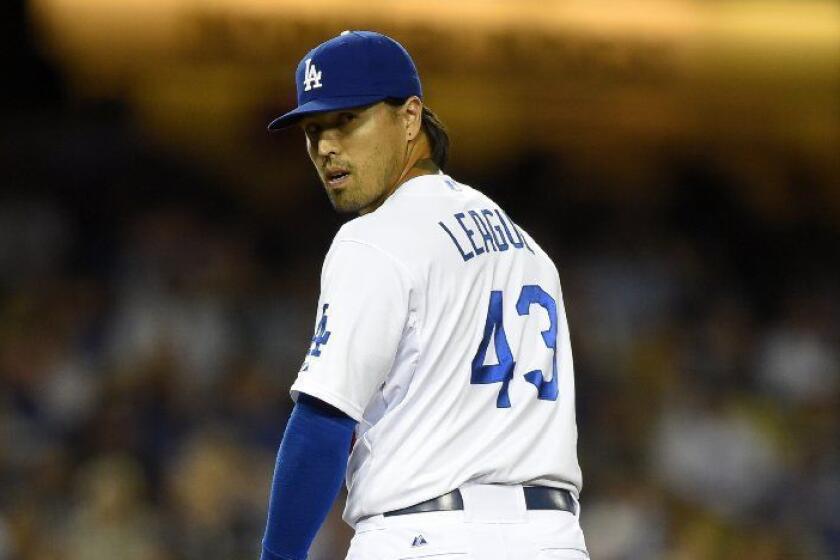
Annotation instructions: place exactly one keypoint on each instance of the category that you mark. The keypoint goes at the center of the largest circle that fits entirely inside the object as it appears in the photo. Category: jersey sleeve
(362, 313)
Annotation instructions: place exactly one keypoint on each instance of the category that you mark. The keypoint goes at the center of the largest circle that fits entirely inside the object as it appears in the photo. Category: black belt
(536, 497)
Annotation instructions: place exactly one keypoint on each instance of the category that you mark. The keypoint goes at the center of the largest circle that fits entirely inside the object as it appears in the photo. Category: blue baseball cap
(356, 68)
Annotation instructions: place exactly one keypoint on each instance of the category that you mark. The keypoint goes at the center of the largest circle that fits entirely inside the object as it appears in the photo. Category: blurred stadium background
(160, 256)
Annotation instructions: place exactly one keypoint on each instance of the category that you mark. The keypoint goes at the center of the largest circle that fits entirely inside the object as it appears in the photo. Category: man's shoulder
(373, 229)
(377, 231)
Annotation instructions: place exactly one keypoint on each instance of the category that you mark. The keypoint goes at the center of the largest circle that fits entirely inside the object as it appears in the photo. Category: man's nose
(328, 144)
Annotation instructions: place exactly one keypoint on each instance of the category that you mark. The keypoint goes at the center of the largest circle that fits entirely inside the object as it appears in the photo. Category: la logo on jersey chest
(311, 76)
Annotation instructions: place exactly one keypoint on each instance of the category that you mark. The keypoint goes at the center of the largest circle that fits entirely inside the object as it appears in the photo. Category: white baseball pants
(494, 525)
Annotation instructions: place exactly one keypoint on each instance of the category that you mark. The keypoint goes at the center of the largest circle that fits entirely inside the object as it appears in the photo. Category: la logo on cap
(312, 76)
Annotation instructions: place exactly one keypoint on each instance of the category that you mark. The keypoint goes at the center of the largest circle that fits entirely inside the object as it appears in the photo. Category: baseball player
(439, 379)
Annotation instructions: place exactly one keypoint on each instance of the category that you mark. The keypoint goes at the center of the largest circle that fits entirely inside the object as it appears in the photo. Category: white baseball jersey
(441, 329)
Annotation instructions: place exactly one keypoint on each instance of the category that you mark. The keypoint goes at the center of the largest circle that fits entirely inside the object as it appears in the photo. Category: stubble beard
(354, 199)
(346, 200)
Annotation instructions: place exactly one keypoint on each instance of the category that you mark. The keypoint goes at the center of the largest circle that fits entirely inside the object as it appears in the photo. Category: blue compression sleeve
(307, 477)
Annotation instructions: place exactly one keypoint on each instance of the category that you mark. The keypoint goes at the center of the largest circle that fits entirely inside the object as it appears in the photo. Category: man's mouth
(336, 177)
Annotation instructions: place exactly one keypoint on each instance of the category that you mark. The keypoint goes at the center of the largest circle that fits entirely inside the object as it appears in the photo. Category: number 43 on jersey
(494, 329)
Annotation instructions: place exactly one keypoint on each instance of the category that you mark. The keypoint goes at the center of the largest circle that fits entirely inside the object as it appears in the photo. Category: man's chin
(342, 204)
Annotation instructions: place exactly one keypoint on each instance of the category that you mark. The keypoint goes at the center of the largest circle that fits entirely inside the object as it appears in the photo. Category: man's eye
(346, 117)
(312, 129)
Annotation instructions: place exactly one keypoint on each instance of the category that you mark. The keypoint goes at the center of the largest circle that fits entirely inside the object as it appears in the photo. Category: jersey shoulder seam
(413, 286)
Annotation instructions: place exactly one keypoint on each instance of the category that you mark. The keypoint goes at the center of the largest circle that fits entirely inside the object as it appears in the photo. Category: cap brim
(322, 106)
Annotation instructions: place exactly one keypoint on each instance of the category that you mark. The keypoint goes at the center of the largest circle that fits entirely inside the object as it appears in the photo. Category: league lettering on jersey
(494, 232)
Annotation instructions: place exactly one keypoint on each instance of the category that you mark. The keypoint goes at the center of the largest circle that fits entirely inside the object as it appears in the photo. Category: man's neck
(419, 160)
(425, 166)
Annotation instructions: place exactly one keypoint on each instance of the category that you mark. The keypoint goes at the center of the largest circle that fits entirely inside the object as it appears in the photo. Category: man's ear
(413, 114)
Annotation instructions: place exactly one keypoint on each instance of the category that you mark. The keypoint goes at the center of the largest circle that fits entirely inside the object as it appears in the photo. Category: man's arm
(310, 468)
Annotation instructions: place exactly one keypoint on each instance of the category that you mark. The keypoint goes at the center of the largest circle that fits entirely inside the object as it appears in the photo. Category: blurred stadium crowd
(152, 322)
(149, 333)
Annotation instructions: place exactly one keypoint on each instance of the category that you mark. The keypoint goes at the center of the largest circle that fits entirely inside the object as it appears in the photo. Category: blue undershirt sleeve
(310, 468)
